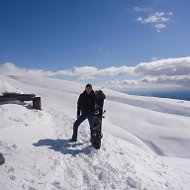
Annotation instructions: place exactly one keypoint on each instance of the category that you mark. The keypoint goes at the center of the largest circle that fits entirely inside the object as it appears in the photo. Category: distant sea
(173, 94)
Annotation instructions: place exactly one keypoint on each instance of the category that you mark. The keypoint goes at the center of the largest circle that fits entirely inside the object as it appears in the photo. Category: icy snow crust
(145, 145)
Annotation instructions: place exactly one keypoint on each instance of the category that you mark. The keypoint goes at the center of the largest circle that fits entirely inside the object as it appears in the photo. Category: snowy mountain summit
(145, 145)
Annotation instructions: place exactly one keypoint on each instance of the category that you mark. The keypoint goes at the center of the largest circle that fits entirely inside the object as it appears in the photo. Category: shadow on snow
(65, 147)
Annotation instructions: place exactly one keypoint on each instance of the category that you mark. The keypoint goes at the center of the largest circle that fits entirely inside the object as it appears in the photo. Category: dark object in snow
(10, 94)
(22, 97)
(96, 132)
(2, 159)
(37, 103)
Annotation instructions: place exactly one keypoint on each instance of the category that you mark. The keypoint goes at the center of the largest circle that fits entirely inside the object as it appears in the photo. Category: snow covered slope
(145, 144)
(6, 87)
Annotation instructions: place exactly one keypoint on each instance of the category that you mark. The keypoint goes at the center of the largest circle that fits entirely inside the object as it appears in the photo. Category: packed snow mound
(6, 87)
(141, 148)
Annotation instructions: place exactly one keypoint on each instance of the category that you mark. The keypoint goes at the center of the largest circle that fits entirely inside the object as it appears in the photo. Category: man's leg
(76, 125)
(91, 123)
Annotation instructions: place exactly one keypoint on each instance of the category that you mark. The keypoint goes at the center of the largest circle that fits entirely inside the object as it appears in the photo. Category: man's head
(88, 88)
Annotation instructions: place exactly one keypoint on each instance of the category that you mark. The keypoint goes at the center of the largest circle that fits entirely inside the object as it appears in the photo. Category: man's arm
(79, 103)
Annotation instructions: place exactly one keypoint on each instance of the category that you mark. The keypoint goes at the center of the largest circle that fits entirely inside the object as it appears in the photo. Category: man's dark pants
(76, 124)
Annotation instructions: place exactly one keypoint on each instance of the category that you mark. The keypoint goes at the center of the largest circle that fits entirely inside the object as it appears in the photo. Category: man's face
(88, 90)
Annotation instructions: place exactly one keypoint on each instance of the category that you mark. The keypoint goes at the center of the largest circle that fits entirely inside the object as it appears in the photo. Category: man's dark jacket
(86, 103)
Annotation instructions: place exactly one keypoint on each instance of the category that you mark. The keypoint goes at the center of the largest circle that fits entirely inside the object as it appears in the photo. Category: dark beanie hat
(89, 85)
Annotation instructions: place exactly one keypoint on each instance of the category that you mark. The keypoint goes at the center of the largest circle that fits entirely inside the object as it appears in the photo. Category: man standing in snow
(85, 110)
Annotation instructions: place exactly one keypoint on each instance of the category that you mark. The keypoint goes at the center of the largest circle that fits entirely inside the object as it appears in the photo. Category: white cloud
(129, 82)
(114, 71)
(11, 69)
(86, 70)
(166, 73)
(158, 19)
(172, 71)
(86, 78)
(171, 67)
(142, 84)
(159, 27)
(80, 72)
(113, 84)
(182, 80)
(116, 84)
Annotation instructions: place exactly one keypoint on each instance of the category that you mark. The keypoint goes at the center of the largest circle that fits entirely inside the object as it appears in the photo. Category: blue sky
(54, 35)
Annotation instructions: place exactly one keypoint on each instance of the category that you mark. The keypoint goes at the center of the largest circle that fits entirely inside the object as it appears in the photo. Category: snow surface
(145, 145)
